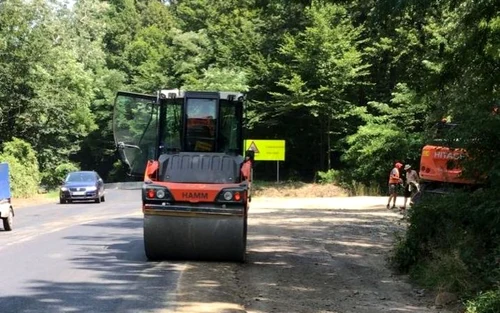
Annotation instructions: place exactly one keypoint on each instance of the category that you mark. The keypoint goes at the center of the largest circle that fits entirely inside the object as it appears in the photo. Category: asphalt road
(322, 255)
(82, 257)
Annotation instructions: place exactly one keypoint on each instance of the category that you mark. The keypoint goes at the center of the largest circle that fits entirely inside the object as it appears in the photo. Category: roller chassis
(195, 221)
(197, 183)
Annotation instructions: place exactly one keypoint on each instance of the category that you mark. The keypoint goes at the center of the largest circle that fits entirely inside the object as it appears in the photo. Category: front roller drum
(195, 237)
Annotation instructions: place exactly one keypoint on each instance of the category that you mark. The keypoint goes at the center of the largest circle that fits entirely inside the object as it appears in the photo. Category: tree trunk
(328, 144)
(321, 144)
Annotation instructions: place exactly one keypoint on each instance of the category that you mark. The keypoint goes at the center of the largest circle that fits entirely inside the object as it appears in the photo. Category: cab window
(201, 123)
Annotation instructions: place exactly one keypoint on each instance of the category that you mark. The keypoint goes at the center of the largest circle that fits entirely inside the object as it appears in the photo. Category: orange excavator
(188, 148)
(440, 164)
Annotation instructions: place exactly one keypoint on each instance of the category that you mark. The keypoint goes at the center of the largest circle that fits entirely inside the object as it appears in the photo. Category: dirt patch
(297, 190)
(309, 256)
(36, 200)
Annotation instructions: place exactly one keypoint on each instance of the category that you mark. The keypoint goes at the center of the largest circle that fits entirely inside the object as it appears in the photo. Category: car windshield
(81, 177)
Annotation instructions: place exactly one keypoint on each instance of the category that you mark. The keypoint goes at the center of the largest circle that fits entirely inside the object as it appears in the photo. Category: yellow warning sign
(266, 150)
(253, 147)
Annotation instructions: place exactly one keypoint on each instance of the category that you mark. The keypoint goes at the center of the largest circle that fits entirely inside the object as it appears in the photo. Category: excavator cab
(188, 147)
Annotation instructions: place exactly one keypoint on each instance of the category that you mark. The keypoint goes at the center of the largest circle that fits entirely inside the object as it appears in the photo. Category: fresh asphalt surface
(82, 257)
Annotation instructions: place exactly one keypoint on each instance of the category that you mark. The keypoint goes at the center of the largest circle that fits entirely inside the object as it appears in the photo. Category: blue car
(82, 185)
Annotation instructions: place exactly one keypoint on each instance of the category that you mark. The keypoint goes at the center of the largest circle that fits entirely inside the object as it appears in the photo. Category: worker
(411, 185)
(394, 181)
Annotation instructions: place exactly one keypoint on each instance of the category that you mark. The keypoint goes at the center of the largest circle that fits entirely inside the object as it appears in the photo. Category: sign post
(277, 171)
(267, 150)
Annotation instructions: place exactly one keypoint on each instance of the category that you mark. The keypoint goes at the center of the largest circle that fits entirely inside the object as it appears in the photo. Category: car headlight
(64, 189)
(93, 188)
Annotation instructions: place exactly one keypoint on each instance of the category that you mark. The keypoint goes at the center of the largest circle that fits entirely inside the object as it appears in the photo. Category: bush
(329, 177)
(486, 302)
(345, 180)
(119, 173)
(453, 242)
(52, 177)
(23, 165)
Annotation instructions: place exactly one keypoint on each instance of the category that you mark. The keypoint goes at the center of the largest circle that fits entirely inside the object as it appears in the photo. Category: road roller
(187, 149)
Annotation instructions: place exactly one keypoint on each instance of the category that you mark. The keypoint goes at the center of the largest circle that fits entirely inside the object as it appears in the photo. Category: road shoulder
(308, 255)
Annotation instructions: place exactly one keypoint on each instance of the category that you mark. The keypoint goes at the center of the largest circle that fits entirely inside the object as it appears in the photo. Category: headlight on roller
(156, 193)
(228, 195)
(160, 193)
(232, 195)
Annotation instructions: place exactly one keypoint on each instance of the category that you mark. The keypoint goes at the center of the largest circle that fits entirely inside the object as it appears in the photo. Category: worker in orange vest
(394, 181)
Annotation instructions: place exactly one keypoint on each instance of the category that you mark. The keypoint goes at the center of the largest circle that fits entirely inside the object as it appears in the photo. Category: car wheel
(8, 221)
(62, 201)
(103, 199)
(98, 199)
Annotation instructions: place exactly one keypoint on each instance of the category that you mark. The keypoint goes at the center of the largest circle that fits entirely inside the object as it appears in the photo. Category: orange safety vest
(394, 179)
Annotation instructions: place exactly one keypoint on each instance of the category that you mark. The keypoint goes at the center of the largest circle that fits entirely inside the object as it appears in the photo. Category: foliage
(485, 302)
(393, 134)
(452, 241)
(215, 79)
(23, 166)
(373, 149)
(46, 87)
(329, 177)
(53, 178)
(317, 67)
(356, 188)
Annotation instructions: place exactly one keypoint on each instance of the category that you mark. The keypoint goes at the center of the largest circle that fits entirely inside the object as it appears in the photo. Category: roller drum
(195, 237)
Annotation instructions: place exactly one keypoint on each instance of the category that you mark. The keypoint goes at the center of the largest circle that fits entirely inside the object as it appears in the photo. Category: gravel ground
(308, 255)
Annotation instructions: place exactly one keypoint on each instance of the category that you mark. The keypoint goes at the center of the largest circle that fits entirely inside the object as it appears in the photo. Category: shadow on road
(107, 272)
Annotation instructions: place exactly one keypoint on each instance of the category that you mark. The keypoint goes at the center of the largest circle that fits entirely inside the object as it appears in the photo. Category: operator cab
(445, 134)
(173, 121)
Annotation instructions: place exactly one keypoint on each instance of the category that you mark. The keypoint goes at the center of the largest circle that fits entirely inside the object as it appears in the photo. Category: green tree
(318, 68)
(23, 166)
(46, 90)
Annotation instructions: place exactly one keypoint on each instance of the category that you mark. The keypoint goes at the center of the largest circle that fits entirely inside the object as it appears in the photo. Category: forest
(352, 86)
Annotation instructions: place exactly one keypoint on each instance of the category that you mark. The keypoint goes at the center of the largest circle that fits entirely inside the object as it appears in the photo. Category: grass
(53, 194)
(445, 271)
(360, 189)
(40, 198)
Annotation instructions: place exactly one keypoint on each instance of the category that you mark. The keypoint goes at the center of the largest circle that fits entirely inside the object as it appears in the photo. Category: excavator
(187, 147)
(440, 164)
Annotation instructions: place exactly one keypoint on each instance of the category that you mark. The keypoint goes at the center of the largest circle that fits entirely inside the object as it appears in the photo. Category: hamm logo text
(195, 195)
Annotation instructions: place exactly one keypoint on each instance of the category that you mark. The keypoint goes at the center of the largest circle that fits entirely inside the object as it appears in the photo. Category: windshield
(230, 127)
(201, 122)
(81, 177)
(172, 116)
(135, 125)
(200, 125)
(445, 134)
